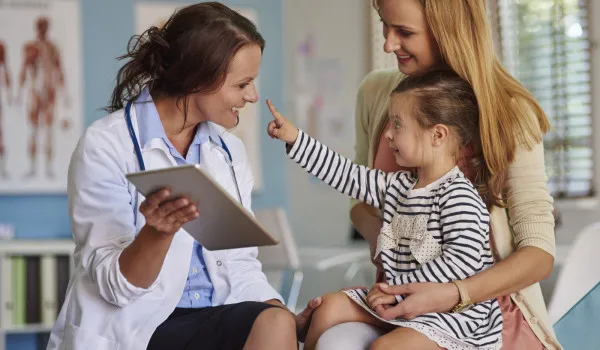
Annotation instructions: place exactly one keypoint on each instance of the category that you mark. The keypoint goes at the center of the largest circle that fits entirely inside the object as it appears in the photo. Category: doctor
(140, 281)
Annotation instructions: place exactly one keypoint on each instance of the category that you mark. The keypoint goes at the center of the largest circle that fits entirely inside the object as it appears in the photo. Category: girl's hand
(377, 298)
(280, 127)
(167, 216)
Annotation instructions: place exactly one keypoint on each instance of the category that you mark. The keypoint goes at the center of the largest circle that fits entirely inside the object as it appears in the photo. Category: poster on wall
(319, 104)
(41, 93)
(249, 129)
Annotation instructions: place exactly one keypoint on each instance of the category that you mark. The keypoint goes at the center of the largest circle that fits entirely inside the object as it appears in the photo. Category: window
(545, 44)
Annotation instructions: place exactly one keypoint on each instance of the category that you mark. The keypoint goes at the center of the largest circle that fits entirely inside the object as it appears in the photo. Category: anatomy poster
(41, 93)
(249, 129)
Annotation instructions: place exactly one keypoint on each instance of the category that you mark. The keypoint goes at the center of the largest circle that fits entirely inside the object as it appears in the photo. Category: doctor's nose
(251, 95)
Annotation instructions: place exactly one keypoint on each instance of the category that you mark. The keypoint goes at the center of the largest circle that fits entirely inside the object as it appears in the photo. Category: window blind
(545, 44)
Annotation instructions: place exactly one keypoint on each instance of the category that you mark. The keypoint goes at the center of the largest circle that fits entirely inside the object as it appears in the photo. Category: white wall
(319, 215)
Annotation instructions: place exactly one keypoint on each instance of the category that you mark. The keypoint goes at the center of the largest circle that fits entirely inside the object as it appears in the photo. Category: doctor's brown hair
(189, 54)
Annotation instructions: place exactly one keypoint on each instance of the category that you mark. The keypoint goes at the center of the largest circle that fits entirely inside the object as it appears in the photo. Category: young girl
(436, 225)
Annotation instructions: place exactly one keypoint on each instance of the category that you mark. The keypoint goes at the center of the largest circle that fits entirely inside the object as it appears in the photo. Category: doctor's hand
(304, 317)
(280, 127)
(167, 216)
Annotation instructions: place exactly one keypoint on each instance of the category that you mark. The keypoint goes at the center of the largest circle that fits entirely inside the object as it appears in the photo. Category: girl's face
(408, 36)
(222, 106)
(410, 142)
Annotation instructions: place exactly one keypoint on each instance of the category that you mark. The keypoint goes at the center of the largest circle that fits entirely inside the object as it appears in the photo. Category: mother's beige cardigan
(528, 200)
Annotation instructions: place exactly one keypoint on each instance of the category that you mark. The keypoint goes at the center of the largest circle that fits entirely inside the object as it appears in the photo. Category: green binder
(18, 280)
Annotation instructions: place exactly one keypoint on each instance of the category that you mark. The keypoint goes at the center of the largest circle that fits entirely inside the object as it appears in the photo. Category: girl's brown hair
(442, 97)
(189, 54)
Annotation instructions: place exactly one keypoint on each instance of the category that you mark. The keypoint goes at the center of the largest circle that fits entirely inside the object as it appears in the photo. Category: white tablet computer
(222, 222)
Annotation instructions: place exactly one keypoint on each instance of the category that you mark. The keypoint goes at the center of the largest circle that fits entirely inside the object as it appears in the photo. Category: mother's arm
(365, 219)
(531, 216)
(530, 210)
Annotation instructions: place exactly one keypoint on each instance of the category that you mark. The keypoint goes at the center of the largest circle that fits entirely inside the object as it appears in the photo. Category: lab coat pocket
(76, 338)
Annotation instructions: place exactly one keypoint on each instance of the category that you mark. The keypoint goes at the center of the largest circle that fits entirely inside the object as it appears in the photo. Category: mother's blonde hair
(508, 114)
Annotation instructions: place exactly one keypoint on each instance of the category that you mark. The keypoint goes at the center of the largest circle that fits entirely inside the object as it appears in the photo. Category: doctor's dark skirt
(224, 327)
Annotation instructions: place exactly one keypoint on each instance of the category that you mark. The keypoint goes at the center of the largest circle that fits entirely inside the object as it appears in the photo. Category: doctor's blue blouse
(198, 288)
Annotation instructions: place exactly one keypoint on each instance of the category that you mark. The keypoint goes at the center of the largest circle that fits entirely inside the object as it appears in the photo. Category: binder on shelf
(62, 278)
(6, 292)
(33, 307)
(34, 275)
(18, 289)
(49, 288)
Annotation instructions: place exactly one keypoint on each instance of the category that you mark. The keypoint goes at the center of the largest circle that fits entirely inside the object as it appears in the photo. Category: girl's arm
(357, 181)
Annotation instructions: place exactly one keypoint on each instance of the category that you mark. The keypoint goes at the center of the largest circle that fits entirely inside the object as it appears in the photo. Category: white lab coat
(102, 310)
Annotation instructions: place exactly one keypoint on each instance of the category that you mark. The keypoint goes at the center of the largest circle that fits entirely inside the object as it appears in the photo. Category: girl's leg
(336, 308)
(404, 338)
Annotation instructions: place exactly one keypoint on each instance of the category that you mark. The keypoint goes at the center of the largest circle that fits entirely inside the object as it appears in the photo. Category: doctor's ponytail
(152, 51)
(144, 66)
(189, 54)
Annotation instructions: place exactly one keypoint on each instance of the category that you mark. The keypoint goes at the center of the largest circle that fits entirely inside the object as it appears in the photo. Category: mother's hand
(420, 299)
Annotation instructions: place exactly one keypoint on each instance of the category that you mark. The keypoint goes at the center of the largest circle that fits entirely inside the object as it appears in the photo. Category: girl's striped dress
(438, 233)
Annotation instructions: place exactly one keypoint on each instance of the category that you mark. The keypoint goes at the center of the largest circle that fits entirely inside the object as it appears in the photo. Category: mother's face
(408, 36)
(222, 106)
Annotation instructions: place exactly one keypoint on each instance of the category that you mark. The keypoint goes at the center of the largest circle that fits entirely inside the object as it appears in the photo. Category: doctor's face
(222, 106)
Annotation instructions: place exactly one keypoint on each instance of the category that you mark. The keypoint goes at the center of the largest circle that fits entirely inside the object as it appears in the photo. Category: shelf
(36, 247)
(27, 328)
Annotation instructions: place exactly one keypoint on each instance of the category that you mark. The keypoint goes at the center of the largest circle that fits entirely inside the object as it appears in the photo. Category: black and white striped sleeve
(464, 224)
(357, 181)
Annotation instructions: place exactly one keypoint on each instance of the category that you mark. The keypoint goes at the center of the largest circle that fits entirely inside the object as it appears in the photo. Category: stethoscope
(138, 152)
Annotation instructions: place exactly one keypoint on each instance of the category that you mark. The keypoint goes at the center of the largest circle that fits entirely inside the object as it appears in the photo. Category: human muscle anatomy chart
(41, 115)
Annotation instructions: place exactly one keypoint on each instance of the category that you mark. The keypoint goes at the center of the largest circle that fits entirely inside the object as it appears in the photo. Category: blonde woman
(425, 35)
